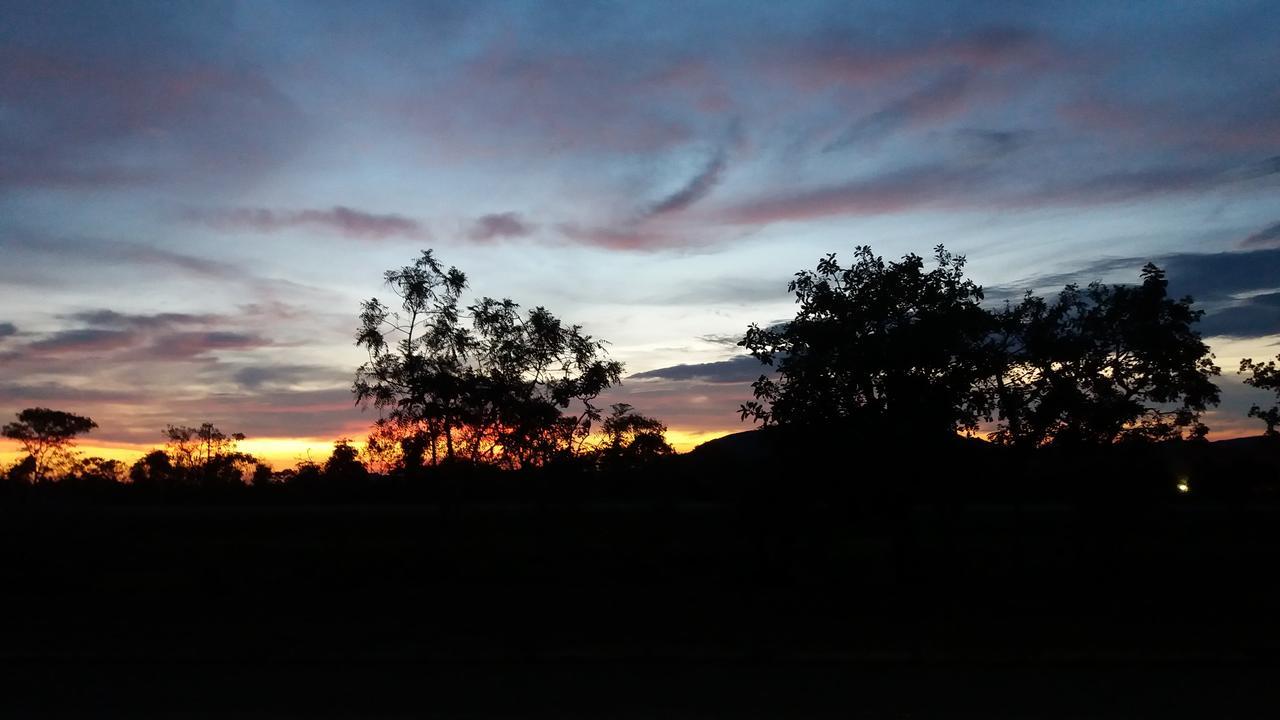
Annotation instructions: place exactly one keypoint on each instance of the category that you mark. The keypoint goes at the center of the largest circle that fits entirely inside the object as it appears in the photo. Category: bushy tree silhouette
(883, 346)
(343, 465)
(1264, 376)
(152, 470)
(631, 441)
(47, 436)
(488, 384)
(1103, 364)
(890, 347)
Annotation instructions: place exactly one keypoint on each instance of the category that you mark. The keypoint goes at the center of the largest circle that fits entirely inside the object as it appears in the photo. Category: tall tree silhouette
(490, 383)
(1102, 364)
(880, 346)
(1264, 376)
(47, 436)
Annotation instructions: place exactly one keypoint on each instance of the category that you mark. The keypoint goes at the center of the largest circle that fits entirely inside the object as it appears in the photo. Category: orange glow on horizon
(285, 452)
(279, 453)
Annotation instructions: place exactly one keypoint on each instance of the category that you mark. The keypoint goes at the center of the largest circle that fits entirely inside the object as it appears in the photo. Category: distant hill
(763, 445)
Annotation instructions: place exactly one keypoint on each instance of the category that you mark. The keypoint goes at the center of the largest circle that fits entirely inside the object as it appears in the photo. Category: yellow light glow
(283, 452)
(1184, 485)
(279, 453)
(685, 440)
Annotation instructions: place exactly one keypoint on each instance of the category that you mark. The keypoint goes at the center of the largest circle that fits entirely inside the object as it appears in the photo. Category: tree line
(897, 348)
(876, 349)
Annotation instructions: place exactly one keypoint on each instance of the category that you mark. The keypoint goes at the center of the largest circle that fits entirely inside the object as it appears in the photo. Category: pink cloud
(842, 60)
(896, 192)
(622, 237)
(1229, 129)
(338, 219)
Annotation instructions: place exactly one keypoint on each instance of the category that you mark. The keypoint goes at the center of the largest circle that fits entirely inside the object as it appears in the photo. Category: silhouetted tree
(877, 346)
(152, 470)
(94, 475)
(308, 474)
(343, 465)
(261, 475)
(97, 468)
(206, 454)
(1264, 376)
(1102, 364)
(490, 384)
(631, 440)
(23, 471)
(47, 437)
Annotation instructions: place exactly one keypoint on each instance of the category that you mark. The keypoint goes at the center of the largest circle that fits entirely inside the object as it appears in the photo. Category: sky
(195, 196)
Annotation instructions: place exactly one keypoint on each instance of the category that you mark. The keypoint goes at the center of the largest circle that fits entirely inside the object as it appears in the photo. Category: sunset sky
(195, 197)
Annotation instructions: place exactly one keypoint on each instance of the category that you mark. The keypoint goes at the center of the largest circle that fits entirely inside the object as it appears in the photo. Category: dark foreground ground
(641, 610)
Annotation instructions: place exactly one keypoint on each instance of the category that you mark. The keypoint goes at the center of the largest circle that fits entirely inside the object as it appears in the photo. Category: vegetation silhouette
(484, 399)
(1103, 364)
(47, 436)
(892, 350)
(876, 347)
(501, 515)
(1264, 376)
(486, 384)
(196, 458)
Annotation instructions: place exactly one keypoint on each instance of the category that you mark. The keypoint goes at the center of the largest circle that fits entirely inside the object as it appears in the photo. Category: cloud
(725, 291)
(114, 337)
(1265, 238)
(338, 219)
(1121, 186)
(651, 228)
(53, 393)
(1249, 123)
(185, 345)
(107, 252)
(99, 111)
(622, 237)
(940, 99)
(723, 339)
(897, 191)
(110, 318)
(697, 188)
(128, 417)
(1237, 290)
(499, 225)
(1255, 316)
(273, 376)
(514, 97)
(847, 59)
(688, 406)
(990, 144)
(986, 188)
(80, 341)
(736, 370)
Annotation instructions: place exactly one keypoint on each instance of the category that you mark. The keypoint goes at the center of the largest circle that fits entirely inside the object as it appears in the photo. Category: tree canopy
(47, 436)
(1264, 376)
(195, 456)
(486, 383)
(876, 344)
(895, 347)
(1102, 364)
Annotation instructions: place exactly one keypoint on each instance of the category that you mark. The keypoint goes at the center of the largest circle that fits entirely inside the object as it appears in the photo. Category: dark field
(642, 609)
